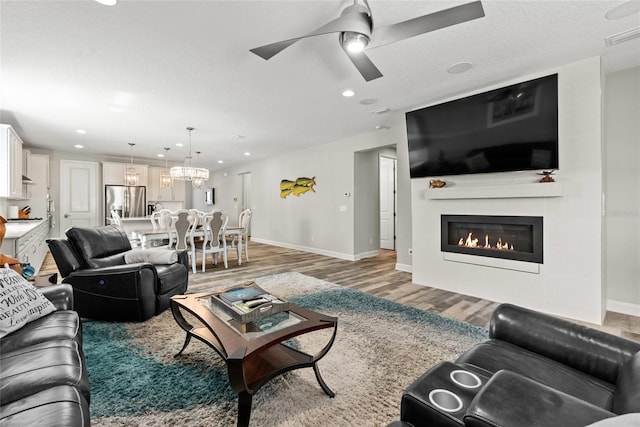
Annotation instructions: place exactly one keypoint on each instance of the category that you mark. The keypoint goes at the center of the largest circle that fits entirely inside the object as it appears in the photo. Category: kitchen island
(26, 241)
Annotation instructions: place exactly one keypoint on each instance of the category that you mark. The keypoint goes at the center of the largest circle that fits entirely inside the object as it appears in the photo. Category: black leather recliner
(105, 287)
(535, 369)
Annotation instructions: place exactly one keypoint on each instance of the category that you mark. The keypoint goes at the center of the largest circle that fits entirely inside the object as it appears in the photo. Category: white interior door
(80, 195)
(387, 202)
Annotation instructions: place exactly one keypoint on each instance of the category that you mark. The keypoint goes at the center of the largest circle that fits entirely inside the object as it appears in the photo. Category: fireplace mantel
(497, 191)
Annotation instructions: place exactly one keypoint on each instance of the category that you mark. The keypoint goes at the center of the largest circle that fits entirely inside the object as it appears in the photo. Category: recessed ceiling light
(348, 93)
(108, 2)
(220, 161)
(79, 146)
(624, 10)
(459, 67)
(368, 101)
(247, 153)
(179, 144)
(160, 155)
(236, 136)
(81, 131)
(382, 127)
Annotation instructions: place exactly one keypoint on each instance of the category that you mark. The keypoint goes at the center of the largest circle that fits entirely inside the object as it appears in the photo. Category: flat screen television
(513, 128)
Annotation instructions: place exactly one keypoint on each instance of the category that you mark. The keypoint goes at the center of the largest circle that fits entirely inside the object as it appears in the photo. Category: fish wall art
(297, 187)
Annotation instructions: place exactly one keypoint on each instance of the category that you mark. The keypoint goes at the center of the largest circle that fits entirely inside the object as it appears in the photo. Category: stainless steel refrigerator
(129, 202)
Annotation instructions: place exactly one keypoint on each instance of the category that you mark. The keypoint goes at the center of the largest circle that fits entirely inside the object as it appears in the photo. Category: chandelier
(165, 177)
(189, 173)
(131, 176)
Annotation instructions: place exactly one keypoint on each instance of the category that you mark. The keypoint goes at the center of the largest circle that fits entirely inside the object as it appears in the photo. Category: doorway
(79, 179)
(387, 186)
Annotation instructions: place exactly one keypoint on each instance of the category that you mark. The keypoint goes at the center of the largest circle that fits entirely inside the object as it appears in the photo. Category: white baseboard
(405, 267)
(369, 254)
(348, 257)
(623, 307)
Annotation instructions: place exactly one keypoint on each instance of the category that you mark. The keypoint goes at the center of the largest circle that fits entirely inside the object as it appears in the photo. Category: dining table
(149, 235)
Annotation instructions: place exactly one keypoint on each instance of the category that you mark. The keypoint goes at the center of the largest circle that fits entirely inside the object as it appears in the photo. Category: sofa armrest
(510, 399)
(60, 295)
(585, 349)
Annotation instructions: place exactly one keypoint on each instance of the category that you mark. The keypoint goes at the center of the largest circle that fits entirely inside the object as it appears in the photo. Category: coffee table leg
(186, 343)
(324, 385)
(244, 408)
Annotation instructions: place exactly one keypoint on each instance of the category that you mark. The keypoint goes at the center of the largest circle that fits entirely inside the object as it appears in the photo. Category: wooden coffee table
(255, 352)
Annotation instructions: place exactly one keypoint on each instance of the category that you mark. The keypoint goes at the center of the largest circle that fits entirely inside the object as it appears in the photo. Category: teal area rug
(380, 348)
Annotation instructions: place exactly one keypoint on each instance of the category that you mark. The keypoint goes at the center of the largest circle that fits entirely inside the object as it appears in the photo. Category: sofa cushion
(94, 243)
(627, 397)
(29, 370)
(20, 302)
(152, 256)
(59, 325)
(493, 355)
(62, 405)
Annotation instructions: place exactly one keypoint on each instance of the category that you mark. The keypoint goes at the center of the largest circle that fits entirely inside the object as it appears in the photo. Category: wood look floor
(376, 276)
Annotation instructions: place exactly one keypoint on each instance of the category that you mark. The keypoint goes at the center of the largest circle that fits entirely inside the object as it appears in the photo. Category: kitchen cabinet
(157, 194)
(27, 172)
(113, 173)
(26, 241)
(10, 163)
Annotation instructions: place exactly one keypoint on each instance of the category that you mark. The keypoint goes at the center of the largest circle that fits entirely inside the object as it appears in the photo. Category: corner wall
(569, 282)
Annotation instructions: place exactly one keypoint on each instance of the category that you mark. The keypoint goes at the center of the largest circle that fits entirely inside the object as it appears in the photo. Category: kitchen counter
(18, 229)
(26, 241)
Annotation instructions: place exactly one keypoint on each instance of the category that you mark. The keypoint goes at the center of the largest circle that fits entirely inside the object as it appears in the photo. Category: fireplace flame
(472, 242)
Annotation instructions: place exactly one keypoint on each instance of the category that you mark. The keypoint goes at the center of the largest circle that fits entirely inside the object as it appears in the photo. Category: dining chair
(213, 226)
(115, 216)
(183, 225)
(242, 239)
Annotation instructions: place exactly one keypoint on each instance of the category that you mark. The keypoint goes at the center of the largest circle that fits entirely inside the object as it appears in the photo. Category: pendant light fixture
(165, 177)
(131, 176)
(189, 173)
(197, 183)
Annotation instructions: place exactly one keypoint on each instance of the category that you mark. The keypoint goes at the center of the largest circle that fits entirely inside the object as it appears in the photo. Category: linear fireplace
(508, 237)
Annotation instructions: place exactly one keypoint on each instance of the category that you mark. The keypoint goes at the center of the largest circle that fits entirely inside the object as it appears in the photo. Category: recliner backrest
(64, 255)
(99, 246)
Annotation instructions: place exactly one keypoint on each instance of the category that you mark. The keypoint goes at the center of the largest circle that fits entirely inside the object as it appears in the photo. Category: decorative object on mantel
(297, 187)
(546, 176)
(437, 183)
(189, 173)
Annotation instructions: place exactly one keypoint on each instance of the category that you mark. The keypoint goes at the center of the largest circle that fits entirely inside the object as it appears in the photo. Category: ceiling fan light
(354, 42)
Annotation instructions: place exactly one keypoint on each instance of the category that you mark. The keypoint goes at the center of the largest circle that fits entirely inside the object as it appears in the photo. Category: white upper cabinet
(155, 193)
(10, 163)
(113, 173)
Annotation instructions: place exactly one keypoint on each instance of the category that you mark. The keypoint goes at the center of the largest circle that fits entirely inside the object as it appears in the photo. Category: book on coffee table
(249, 302)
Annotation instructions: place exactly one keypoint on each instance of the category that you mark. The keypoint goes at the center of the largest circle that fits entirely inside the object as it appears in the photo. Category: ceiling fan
(357, 32)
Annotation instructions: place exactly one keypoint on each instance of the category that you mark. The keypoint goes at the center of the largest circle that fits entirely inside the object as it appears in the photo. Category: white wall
(569, 282)
(313, 221)
(622, 148)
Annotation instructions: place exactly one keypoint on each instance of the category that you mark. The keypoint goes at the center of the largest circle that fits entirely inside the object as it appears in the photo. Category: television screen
(509, 129)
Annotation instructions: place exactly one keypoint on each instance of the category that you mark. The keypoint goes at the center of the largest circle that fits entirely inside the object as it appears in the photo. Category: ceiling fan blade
(350, 20)
(364, 65)
(426, 23)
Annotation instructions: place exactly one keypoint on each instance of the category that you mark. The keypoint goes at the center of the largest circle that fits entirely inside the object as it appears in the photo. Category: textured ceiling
(142, 71)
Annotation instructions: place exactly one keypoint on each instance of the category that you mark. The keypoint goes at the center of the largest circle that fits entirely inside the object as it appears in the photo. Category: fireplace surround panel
(497, 236)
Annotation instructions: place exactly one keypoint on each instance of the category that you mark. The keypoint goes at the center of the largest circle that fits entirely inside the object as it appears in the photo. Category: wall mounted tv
(514, 128)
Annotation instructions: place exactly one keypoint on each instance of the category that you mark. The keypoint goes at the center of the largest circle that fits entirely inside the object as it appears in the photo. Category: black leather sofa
(535, 370)
(105, 287)
(43, 378)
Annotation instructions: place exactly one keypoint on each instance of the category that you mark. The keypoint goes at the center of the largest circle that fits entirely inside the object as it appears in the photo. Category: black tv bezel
(554, 165)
